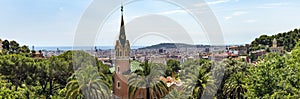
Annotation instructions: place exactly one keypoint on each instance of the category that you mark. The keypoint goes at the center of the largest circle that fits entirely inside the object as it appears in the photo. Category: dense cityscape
(160, 53)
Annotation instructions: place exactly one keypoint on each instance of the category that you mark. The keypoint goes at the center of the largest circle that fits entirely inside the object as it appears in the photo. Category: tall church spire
(122, 36)
(122, 63)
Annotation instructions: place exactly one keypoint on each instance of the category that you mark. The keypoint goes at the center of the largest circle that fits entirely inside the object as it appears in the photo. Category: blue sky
(54, 22)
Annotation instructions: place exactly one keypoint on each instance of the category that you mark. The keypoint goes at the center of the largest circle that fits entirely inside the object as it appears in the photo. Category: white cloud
(272, 5)
(228, 17)
(276, 4)
(264, 7)
(217, 2)
(213, 2)
(235, 14)
(250, 21)
(172, 12)
(238, 13)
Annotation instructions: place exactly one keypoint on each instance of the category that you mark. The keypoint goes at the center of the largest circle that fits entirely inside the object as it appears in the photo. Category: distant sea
(66, 48)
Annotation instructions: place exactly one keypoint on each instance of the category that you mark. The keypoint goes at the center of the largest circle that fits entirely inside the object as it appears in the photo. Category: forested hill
(173, 45)
(286, 39)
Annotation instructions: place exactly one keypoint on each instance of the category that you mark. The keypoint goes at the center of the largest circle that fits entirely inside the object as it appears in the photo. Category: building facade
(275, 48)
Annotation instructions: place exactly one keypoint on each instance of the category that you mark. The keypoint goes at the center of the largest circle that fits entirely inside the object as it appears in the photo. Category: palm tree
(148, 78)
(87, 82)
(205, 84)
(177, 94)
(201, 83)
(235, 87)
(198, 78)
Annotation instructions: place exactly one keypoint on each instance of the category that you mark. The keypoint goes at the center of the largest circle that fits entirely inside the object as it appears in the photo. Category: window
(117, 52)
(118, 85)
(118, 69)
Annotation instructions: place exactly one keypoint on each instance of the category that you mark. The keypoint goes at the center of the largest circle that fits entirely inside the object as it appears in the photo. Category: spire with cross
(122, 36)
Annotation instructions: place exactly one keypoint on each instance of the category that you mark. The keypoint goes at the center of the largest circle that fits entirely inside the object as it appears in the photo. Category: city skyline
(53, 23)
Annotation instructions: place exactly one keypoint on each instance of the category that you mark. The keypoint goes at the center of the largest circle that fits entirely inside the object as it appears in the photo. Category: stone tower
(122, 63)
(274, 43)
(1, 45)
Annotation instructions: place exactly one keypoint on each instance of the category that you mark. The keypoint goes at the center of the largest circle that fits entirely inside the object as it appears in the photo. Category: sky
(54, 22)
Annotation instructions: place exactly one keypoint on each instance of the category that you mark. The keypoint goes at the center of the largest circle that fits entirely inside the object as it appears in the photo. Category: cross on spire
(122, 8)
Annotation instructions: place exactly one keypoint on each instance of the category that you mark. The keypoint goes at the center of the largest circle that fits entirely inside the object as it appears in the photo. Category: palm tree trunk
(16, 87)
(51, 85)
(148, 92)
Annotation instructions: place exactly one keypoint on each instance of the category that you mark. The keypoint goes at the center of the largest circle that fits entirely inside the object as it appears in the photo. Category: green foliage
(27, 77)
(235, 86)
(176, 94)
(204, 76)
(275, 77)
(173, 66)
(233, 82)
(287, 39)
(13, 47)
(89, 83)
(5, 44)
(197, 78)
(17, 68)
(7, 89)
(24, 49)
(134, 65)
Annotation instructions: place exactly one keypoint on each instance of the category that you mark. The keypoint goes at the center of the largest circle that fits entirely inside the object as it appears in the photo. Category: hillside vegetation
(287, 39)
